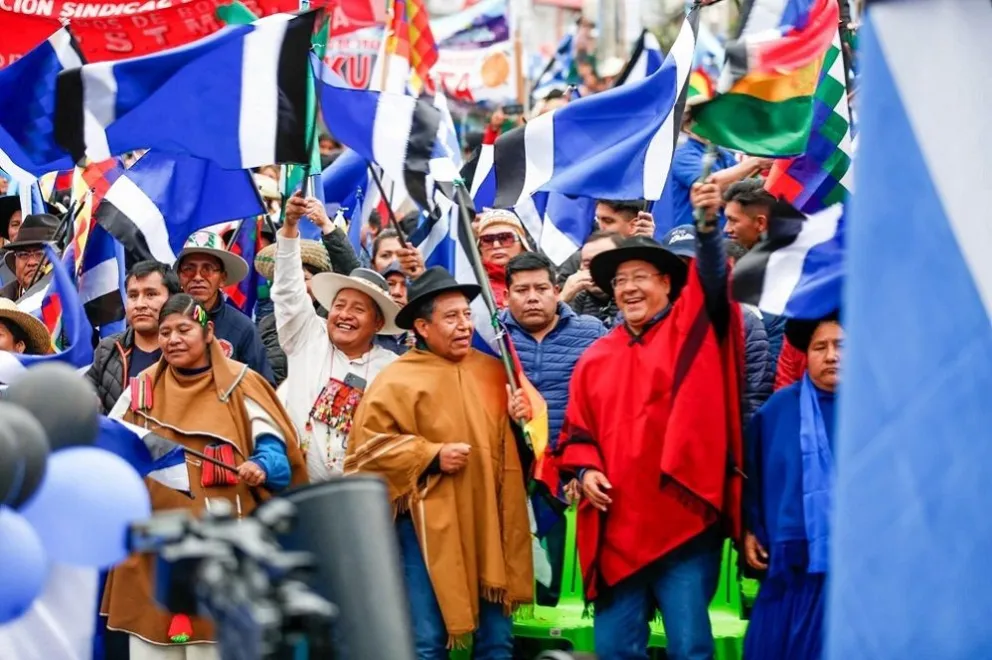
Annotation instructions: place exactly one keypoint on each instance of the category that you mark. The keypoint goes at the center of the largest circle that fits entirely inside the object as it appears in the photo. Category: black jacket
(339, 250)
(108, 373)
(603, 309)
(273, 351)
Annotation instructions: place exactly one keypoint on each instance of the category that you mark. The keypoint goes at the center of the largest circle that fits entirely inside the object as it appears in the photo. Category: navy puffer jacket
(548, 364)
(759, 368)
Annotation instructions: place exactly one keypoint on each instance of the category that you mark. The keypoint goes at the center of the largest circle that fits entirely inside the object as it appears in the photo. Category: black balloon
(64, 402)
(23, 454)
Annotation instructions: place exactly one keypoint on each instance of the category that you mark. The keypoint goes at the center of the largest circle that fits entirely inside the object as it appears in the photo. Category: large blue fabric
(818, 476)
(548, 364)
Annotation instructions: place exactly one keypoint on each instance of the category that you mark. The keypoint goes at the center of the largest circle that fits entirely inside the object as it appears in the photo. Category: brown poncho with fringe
(194, 411)
(472, 525)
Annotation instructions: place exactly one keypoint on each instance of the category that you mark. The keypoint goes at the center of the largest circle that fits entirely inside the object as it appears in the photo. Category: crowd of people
(662, 395)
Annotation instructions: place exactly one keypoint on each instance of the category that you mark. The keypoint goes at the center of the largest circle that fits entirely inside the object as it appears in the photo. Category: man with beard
(436, 426)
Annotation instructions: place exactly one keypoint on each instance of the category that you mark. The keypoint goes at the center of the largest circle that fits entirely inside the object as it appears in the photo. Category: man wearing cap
(790, 469)
(330, 363)
(21, 332)
(759, 371)
(652, 430)
(205, 267)
(397, 281)
(436, 427)
(25, 256)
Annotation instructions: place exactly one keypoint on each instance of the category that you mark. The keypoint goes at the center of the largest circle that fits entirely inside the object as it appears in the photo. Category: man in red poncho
(652, 429)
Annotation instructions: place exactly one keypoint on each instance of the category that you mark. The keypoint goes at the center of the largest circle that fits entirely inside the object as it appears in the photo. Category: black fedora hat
(799, 332)
(8, 205)
(36, 230)
(432, 282)
(640, 248)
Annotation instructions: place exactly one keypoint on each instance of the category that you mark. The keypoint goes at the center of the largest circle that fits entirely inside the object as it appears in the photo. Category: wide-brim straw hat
(326, 286)
(39, 340)
(312, 253)
(211, 244)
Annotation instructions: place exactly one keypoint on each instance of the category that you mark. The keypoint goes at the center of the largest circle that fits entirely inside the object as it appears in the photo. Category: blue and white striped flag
(163, 198)
(148, 453)
(396, 132)
(797, 275)
(558, 224)
(614, 145)
(555, 73)
(76, 328)
(910, 527)
(645, 58)
(237, 98)
(101, 281)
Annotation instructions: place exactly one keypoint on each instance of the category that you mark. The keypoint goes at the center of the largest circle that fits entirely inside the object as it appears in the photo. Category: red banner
(107, 39)
(117, 30)
(21, 33)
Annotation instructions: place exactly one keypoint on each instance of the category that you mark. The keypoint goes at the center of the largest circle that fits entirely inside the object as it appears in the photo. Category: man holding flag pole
(436, 425)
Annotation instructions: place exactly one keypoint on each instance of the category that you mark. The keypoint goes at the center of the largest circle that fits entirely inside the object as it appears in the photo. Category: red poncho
(659, 415)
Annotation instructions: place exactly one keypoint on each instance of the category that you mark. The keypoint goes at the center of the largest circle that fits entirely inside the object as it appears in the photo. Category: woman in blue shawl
(788, 492)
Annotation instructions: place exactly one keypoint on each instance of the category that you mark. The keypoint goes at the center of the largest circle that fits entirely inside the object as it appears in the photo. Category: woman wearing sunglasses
(501, 237)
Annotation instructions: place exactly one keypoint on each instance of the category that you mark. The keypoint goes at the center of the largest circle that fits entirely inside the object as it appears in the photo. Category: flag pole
(389, 207)
(475, 258)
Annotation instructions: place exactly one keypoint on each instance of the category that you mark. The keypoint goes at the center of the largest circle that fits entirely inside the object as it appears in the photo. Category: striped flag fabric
(824, 174)
(910, 529)
(28, 146)
(558, 224)
(62, 293)
(796, 275)
(617, 144)
(765, 95)
(779, 35)
(645, 58)
(554, 76)
(163, 198)
(246, 243)
(394, 131)
(148, 453)
(101, 282)
(236, 98)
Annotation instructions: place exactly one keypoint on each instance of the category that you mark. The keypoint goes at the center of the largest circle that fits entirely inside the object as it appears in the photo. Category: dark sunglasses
(504, 238)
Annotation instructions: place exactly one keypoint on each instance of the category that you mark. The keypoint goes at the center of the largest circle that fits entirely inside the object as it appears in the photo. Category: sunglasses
(503, 238)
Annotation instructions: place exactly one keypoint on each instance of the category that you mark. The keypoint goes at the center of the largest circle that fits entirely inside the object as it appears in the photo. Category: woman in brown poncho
(198, 398)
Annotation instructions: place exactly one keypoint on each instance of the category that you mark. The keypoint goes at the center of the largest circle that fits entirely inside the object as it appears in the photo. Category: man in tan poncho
(436, 426)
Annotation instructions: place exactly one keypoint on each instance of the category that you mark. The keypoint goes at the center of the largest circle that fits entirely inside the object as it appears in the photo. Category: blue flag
(27, 105)
(154, 207)
(911, 527)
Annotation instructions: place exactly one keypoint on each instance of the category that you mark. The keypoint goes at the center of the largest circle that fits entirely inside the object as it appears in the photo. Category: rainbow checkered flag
(246, 245)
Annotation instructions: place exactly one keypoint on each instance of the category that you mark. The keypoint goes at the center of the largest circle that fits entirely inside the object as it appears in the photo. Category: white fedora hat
(326, 286)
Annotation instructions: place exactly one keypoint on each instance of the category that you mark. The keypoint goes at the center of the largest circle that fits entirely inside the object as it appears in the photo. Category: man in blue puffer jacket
(549, 338)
